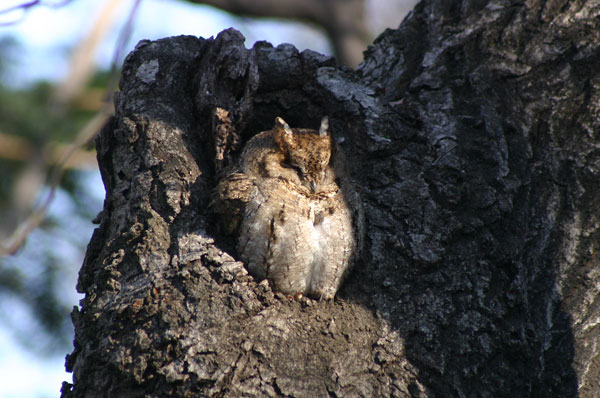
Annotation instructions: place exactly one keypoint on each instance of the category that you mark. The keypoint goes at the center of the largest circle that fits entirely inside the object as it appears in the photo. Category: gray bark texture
(473, 132)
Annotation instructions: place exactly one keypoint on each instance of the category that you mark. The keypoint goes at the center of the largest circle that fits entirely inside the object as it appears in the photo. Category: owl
(297, 218)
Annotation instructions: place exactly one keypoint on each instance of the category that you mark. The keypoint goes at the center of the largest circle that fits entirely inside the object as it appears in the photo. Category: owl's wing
(229, 199)
(253, 240)
(337, 244)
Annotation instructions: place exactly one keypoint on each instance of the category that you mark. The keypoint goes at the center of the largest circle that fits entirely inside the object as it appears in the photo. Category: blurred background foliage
(35, 301)
(40, 118)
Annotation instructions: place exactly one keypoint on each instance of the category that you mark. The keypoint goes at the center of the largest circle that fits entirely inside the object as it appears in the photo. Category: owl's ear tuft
(280, 124)
(324, 129)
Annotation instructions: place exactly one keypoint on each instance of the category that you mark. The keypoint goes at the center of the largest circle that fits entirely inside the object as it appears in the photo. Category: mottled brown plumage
(297, 217)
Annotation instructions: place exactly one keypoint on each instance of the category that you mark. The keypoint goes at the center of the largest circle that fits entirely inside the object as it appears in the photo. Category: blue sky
(26, 374)
(46, 36)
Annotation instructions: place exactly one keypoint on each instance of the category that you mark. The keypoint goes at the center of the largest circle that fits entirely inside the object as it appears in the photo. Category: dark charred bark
(473, 132)
(342, 20)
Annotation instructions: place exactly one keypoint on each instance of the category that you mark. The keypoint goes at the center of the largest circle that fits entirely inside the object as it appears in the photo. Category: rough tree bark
(342, 20)
(474, 133)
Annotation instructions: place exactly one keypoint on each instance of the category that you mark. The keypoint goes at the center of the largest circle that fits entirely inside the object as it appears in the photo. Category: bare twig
(18, 237)
(18, 148)
(124, 37)
(85, 135)
(81, 66)
(24, 7)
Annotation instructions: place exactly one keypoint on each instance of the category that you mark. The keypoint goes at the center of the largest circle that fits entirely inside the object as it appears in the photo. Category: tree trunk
(473, 133)
(342, 20)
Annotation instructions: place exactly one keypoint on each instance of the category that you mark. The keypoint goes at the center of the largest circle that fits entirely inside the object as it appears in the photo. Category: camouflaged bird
(297, 218)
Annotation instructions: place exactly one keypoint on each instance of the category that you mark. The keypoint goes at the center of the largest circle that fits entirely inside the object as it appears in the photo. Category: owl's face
(306, 151)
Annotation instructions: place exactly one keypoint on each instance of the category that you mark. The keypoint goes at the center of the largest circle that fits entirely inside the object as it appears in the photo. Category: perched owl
(297, 218)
